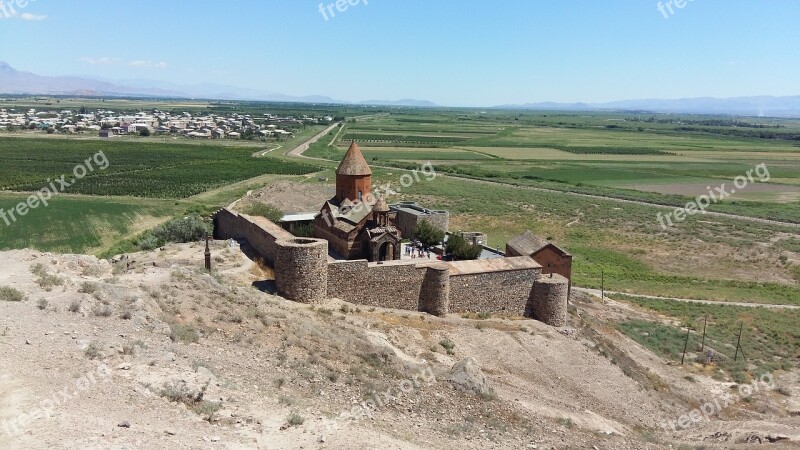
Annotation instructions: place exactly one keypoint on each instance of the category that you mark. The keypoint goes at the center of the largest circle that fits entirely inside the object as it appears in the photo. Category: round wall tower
(549, 298)
(301, 269)
(435, 293)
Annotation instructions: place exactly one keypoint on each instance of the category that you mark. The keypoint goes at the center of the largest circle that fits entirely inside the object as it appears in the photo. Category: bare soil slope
(150, 351)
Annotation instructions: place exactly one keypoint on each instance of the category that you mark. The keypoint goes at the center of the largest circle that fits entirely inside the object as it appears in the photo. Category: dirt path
(233, 205)
(597, 293)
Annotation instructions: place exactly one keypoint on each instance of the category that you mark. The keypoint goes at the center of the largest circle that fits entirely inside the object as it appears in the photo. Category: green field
(77, 224)
(147, 181)
(660, 159)
(606, 237)
(770, 339)
(141, 169)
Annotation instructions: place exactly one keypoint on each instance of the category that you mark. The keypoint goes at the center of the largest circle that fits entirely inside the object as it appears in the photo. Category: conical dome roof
(381, 206)
(354, 163)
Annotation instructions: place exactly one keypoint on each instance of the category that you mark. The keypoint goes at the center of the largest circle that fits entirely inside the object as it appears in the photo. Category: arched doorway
(386, 252)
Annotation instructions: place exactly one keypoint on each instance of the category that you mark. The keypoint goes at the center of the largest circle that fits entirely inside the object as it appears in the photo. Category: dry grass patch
(9, 294)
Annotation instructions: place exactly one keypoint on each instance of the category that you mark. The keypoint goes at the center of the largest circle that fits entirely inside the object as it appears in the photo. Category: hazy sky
(450, 52)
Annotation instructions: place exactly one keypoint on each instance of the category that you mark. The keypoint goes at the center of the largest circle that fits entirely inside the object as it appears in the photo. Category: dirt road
(300, 149)
(597, 293)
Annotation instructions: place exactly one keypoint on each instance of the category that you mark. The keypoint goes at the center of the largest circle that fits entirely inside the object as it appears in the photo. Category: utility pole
(738, 344)
(686, 344)
(603, 285)
(208, 256)
(705, 323)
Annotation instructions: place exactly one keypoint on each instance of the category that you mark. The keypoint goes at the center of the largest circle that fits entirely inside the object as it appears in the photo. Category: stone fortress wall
(259, 232)
(305, 273)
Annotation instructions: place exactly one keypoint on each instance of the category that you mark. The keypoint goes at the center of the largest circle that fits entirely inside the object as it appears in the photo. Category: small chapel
(355, 224)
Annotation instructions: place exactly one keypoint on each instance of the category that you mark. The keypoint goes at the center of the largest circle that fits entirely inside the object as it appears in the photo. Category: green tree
(144, 132)
(428, 234)
(461, 249)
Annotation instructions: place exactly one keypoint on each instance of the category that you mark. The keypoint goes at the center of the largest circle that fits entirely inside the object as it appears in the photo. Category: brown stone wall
(259, 232)
(348, 186)
(435, 294)
(492, 292)
(386, 286)
(549, 299)
(553, 262)
(301, 269)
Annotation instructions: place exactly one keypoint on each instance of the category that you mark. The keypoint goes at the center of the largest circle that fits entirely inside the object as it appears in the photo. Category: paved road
(597, 293)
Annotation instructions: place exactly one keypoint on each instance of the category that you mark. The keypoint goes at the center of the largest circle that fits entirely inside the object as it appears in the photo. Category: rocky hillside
(150, 351)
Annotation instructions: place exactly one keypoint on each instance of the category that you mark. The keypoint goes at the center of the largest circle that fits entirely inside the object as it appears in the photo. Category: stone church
(355, 224)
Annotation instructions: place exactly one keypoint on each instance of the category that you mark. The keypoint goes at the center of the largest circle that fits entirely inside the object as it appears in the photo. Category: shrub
(75, 306)
(9, 294)
(488, 395)
(187, 229)
(206, 408)
(306, 230)
(88, 288)
(177, 392)
(42, 304)
(567, 422)
(428, 234)
(92, 351)
(183, 333)
(448, 346)
(102, 311)
(46, 280)
(267, 211)
(295, 420)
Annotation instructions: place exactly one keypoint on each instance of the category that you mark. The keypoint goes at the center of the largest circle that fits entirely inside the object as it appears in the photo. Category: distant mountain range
(743, 106)
(13, 81)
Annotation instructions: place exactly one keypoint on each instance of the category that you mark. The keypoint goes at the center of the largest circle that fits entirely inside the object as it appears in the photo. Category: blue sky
(451, 52)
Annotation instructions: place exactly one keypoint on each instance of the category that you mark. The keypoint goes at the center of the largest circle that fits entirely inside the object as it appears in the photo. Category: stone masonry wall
(407, 286)
(549, 300)
(386, 286)
(411, 287)
(492, 292)
(301, 269)
(259, 232)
